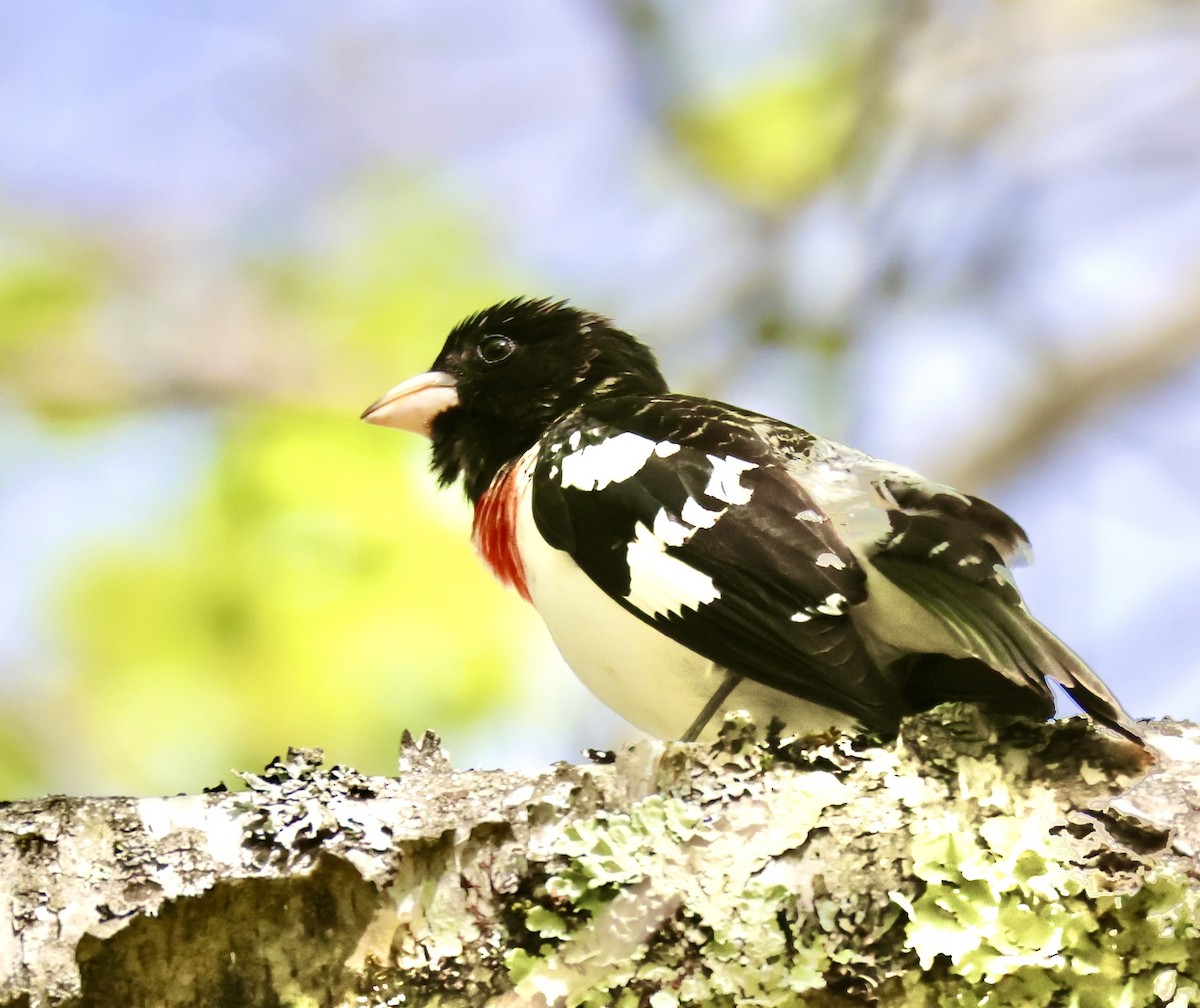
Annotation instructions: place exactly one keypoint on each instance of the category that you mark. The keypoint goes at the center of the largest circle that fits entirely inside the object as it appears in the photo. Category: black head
(507, 373)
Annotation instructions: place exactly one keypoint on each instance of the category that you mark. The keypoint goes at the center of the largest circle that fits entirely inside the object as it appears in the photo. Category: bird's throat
(494, 531)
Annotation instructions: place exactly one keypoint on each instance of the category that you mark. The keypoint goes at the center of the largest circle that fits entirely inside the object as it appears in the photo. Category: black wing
(737, 536)
(683, 512)
(951, 553)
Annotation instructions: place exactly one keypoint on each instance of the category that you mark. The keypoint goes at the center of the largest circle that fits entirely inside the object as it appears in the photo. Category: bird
(690, 557)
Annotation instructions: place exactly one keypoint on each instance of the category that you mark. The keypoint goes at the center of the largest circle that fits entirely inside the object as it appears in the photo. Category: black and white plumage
(690, 557)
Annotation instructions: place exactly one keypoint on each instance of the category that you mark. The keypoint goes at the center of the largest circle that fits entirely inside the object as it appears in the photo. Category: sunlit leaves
(21, 764)
(39, 298)
(317, 592)
(46, 289)
(376, 303)
(774, 141)
(316, 589)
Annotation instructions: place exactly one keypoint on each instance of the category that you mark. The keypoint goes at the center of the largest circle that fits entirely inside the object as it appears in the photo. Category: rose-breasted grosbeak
(690, 557)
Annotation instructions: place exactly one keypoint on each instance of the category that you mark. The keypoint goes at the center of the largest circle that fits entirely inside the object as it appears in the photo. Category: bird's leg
(714, 703)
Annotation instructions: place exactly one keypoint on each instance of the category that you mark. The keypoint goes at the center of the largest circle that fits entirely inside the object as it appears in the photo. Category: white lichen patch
(662, 856)
(972, 861)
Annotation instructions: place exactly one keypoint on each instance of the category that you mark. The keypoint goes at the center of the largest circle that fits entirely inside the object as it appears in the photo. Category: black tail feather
(1006, 641)
(926, 680)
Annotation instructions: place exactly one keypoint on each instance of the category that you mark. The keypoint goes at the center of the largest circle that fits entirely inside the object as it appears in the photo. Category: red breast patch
(494, 531)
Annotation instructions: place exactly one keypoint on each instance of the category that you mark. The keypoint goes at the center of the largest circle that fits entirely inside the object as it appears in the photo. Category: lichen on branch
(969, 861)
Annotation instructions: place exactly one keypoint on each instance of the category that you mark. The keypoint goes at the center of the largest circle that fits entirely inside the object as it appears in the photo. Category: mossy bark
(967, 862)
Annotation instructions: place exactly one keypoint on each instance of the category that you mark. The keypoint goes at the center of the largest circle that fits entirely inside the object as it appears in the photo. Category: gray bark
(967, 862)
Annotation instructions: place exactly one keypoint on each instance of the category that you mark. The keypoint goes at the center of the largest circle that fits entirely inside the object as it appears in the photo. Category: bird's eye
(495, 348)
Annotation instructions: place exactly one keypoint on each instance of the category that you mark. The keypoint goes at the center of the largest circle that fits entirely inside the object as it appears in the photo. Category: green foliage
(45, 284)
(377, 307)
(316, 590)
(777, 140)
(21, 765)
(47, 288)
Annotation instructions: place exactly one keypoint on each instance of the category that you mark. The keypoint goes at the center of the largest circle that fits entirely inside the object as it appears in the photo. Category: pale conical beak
(413, 404)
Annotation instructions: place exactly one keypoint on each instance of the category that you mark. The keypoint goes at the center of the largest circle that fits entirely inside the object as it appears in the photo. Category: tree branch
(967, 857)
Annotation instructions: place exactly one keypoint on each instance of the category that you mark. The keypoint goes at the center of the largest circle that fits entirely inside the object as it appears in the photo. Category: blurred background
(960, 234)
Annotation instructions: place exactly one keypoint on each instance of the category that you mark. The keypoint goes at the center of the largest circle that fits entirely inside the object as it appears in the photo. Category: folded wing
(696, 527)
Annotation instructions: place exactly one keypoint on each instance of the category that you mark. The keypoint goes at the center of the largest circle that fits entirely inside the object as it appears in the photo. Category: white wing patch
(613, 460)
(668, 531)
(829, 559)
(660, 584)
(833, 605)
(852, 503)
(697, 515)
(725, 483)
(1003, 576)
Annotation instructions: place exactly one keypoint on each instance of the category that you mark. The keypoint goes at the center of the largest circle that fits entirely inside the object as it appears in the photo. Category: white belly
(654, 683)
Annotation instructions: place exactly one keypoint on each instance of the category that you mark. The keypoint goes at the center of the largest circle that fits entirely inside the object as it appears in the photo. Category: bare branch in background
(1073, 394)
